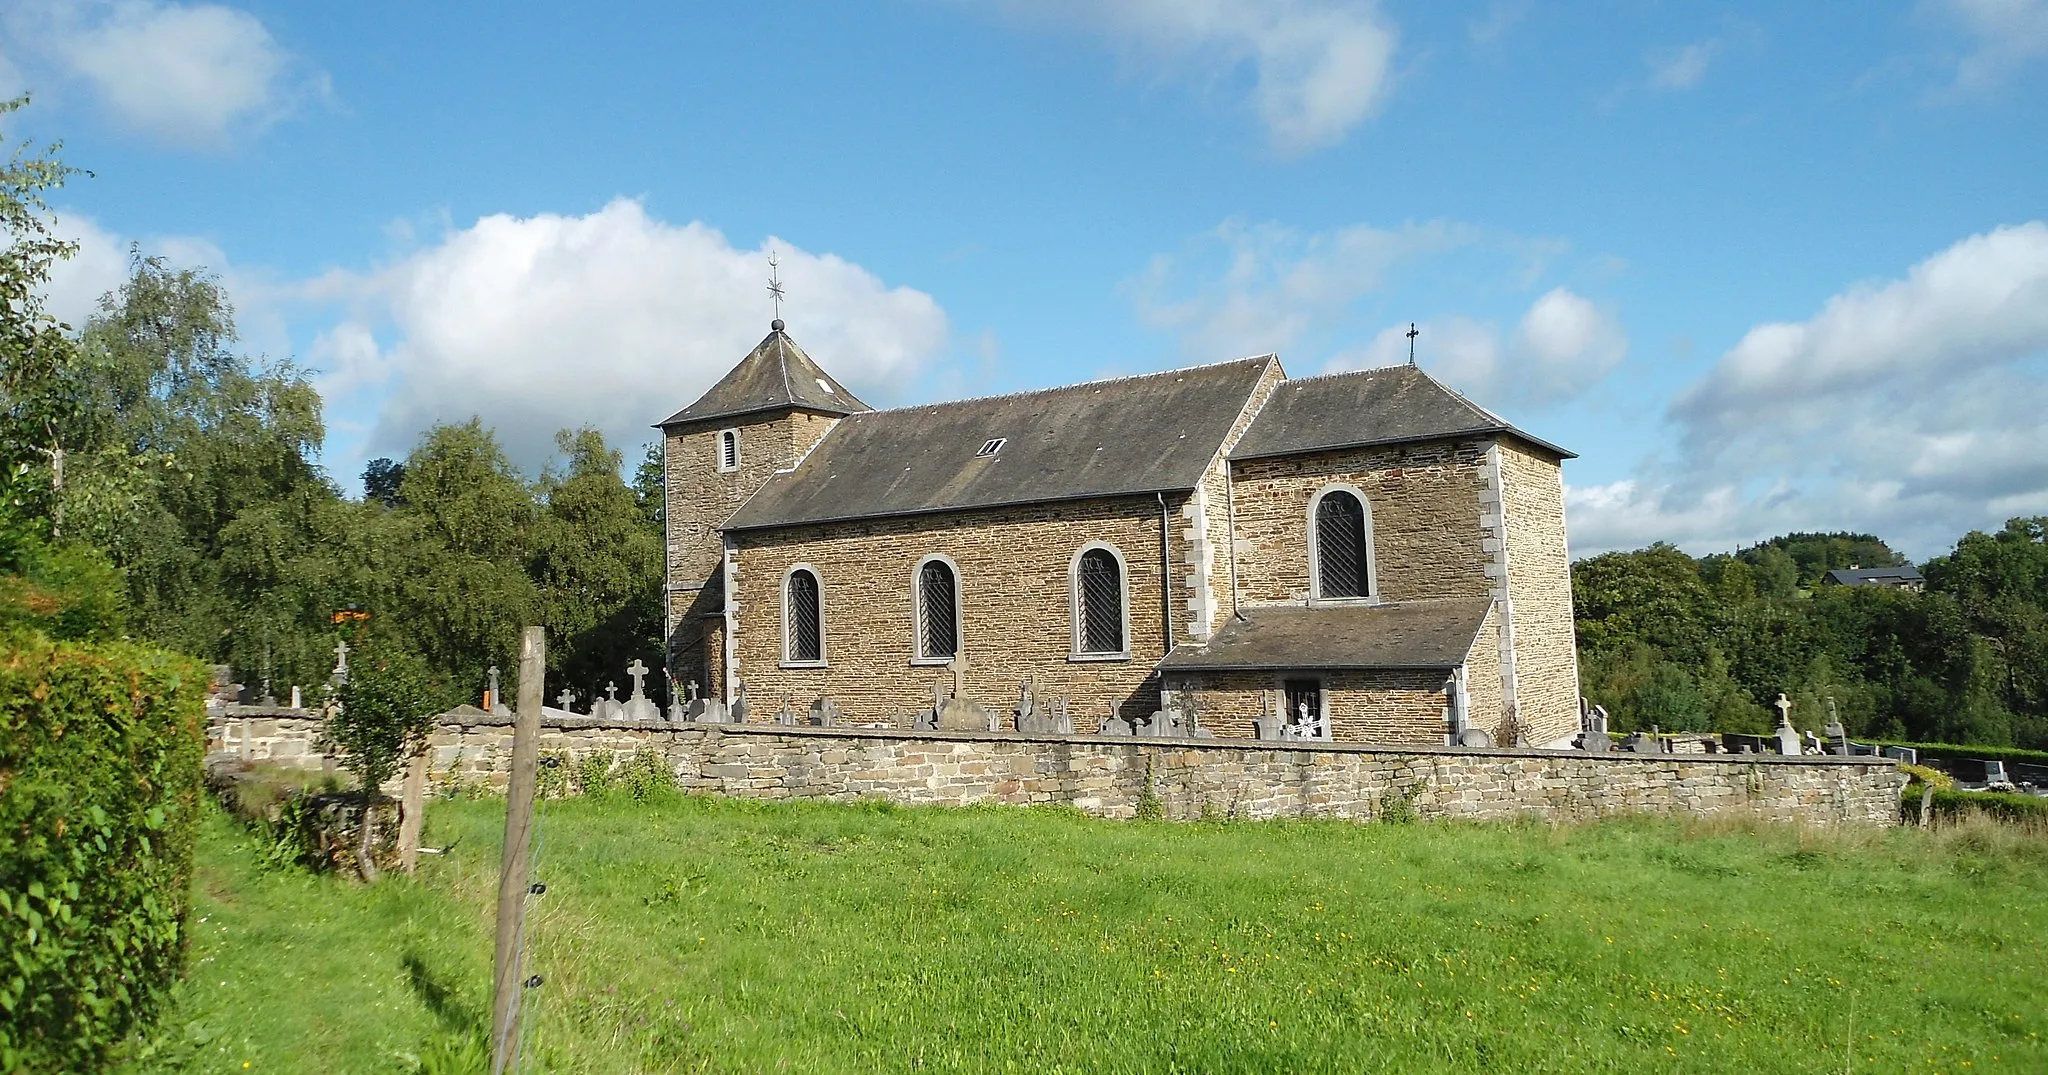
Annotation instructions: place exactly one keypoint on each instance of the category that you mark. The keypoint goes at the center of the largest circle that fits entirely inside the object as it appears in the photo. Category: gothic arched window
(803, 617)
(1099, 624)
(938, 610)
(1341, 546)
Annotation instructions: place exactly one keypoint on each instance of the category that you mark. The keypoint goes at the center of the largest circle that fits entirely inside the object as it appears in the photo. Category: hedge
(1962, 750)
(101, 774)
(2003, 805)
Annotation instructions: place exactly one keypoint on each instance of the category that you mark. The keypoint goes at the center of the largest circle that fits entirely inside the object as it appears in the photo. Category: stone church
(1360, 557)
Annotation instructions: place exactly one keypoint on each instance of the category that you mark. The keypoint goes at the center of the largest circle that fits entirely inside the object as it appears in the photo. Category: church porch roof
(1405, 635)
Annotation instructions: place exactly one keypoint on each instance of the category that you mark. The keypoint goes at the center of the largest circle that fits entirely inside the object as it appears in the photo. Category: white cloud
(1563, 345)
(191, 74)
(613, 319)
(1319, 67)
(1681, 68)
(2007, 34)
(1253, 289)
(1910, 408)
(100, 265)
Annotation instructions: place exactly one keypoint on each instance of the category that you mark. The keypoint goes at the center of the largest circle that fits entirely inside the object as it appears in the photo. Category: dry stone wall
(1187, 779)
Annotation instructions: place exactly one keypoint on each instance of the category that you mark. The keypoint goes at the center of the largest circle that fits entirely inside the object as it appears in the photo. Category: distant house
(1898, 578)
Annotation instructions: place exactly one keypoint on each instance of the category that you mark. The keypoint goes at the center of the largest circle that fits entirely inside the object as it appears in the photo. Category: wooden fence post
(518, 842)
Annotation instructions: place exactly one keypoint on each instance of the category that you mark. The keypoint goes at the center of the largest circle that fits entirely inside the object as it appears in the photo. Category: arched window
(803, 617)
(1100, 628)
(938, 610)
(1341, 545)
(728, 450)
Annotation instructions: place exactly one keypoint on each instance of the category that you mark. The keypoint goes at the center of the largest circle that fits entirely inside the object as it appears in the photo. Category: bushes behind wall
(101, 750)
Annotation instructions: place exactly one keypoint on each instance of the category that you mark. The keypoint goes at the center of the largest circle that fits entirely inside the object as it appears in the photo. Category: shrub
(2003, 805)
(646, 775)
(1962, 750)
(101, 748)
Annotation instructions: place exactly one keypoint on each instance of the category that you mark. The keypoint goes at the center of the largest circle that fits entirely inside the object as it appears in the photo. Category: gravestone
(1788, 737)
(1642, 743)
(566, 701)
(608, 707)
(1116, 725)
(823, 714)
(640, 707)
(1269, 723)
(1904, 754)
(340, 674)
(957, 713)
(1477, 738)
(497, 704)
(785, 716)
(740, 708)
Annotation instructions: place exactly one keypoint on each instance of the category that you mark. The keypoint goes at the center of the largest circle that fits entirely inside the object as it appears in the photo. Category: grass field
(709, 935)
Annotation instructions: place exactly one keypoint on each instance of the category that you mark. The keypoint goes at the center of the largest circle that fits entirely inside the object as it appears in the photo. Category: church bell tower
(761, 417)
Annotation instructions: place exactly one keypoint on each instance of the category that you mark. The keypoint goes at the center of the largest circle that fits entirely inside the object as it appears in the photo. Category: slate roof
(1863, 576)
(1411, 634)
(1394, 405)
(774, 375)
(1151, 433)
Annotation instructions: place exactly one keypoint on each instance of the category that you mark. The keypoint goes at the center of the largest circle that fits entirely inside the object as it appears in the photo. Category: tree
(381, 481)
(39, 395)
(597, 561)
(465, 588)
(387, 711)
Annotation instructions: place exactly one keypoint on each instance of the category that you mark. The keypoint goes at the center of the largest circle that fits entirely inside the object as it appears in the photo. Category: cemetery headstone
(640, 707)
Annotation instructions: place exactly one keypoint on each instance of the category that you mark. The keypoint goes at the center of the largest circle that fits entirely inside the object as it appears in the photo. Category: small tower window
(803, 621)
(938, 610)
(993, 446)
(728, 451)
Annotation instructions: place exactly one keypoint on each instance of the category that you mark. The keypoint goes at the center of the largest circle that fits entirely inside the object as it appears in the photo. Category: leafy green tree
(387, 711)
(597, 562)
(40, 394)
(465, 591)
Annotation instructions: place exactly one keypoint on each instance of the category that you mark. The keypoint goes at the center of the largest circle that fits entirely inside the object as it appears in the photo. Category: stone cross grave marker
(1788, 738)
(341, 659)
(567, 700)
(639, 706)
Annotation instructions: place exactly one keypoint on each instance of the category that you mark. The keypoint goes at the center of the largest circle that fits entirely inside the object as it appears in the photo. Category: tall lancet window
(803, 618)
(1099, 626)
(938, 610)
(1341, 546)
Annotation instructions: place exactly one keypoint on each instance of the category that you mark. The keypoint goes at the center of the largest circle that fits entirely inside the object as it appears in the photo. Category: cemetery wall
(1116, 777)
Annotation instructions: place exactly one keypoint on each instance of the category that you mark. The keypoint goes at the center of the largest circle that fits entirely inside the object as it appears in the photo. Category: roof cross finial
(1412, 333)
(775, 286)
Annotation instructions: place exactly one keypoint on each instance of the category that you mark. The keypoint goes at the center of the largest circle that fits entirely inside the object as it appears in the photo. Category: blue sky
(1766, 267)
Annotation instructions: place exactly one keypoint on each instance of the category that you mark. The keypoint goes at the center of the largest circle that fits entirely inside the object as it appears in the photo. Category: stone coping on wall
(485, 720)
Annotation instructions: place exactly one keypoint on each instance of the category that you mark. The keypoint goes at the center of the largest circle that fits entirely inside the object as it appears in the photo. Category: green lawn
(709, 935)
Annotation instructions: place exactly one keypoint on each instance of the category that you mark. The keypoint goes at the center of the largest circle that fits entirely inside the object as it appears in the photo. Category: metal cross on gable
(1412, 333)
(775, 283)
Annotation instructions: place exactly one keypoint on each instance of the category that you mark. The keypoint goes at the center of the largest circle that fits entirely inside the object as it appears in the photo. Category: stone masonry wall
(1192, 778)
(1540, 585)
(1216, 495)
(1424, 501)
(1014, 570)
(1388, 706)
(699, 500)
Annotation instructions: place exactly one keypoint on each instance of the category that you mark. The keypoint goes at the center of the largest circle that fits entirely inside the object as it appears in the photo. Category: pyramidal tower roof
(775, 375)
